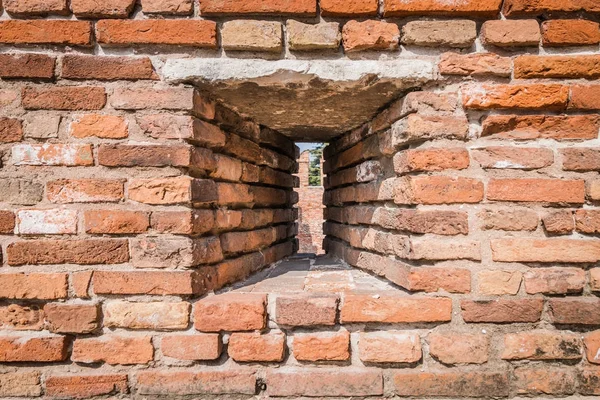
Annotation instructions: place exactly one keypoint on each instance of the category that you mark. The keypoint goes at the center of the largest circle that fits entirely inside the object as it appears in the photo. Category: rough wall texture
(310, 210)
(127, 199)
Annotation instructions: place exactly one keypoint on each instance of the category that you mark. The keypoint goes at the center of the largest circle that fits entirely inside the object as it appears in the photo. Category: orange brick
(537, 190)
(395, 309)
(526, 158)
(554, 280)
(102, 126)
(35, 7)
(545, 250)
(84, 386)
(254, 346)
(192, 347)
(570, 32)
(322, 346)
(7, 222)
(147, 283)
(230, 312)
(83, 252)
(468, 8)
(278, 7)
(529, 127)
(196, 33)
(102, 8)
(438, 190)
(107, 68)
(430, 160)
(459, 348)
(68, 98)
(168, 7)
(61, 32)
(33, 349)
(115, 221)
(549, 381)
(352, 8)
(509, 33)
(113, 349)
(585, 97)
(516, 8)
(33, 286)
(480, 64)
(11, 130)
(525, 97)
(370, 35)
(502, 310)
(567, 67)
(39, 66)
(84, 191)
(71, 318)
(302, 310)
(389, 347)
(542, 345)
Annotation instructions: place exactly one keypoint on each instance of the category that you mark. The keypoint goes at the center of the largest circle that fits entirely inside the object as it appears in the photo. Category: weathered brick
(204, 346)
(278, 7)
(575, 311)
(469, 8)
(389, 347)
(591, 342)
(21, 191)
(525, 97)
(115, 221)
(107, 68)
(68, 98)
(570, 32)
(80, 283)
(448, 383)
(165, 126)
(196, 33)
(42, 125)
(124, 155)
(7, 222)
(416, 221)
(454, 33)
(479, 64)
(174, 190)
(370, 35)
(83, 252)
(35, 7)
(431, 249)
(588, 381)
(504, 157)
(230, 312)
(60, 32)
(502, 310)
(173, 252)
(151, 316)
(499, 282)
(528, 127)
(545, 250)
(554, 280)
(322, 346)
(459, 348)
(84, 386)
(252, 35)
(325, 35)
(20, 384)
(516, 8)
(395, 309)
(438, 190)
(84, 191)
(509, 33)
(71, 318)
(146, 282)
(559, 222)
(325, 382)
(512, 219)
(537, 190)
(33, 286)
(567, 67)
(542, 345)
(183, 222)
(11, 130)
(587, 221)
(306, 310)
(36, 66)
(47, 222)
(550, 381)
(430, 160)
(113, 349)
(168, 7)
(192, 382)
(53, 154)
(102, 8)
(452, 280)
(581, 159)
(98, 125)
(33, 349)
(584, 97)
(254, 346)
(14, 317)
(132, 98)
(352, 8)
(416, 128)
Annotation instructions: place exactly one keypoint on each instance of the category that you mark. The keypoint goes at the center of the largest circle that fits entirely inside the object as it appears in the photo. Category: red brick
(567, 67)
(83, 252)
(61, 32)
(537, 190)
(7, 222)
(395, 309)
(352, 8)
(505, 157)
(438, 190)
(123, 155)
(20, 384)
(192, 347)
(278, 7)
(102, 8)
(417, 221)
(324, 382)
(502, 310)
(480, 64)
(304, 310)
(430, 160)
(84, 191)
(230, 312)
(389, 347)
(509, 33)
(459, 348)
(107, 68)
(515, 8)
(146, 282)
(113, 349)
(449, 383)
(35, 7)
(452, 280)
(33, 349)
(581, 311)
(524, 97)
(196, 33)
(208, 135)
(191, 382)
(80, 282)
(545, 250)
(581, 159)
(71, 318)
(322, 346)
(551, 381)
(370, 35)
(102, 126)
(174, 252)
(115, 221)
(67, 98)
(168, 7)
(554, 280)
(28, 66)
(542, 345)
(33, 286)
(559, 222)
(526, 127)
(585, 97)
(11, 130)
(570, 32)
(468, 8)
(257, 347)
(84, 386)
(183, 222)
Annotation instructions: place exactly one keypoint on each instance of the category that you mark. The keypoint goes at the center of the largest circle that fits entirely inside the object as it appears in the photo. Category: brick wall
(126, 200)
(310, 210)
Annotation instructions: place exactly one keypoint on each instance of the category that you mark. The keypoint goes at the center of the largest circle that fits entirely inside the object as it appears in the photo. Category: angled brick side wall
(310, 210)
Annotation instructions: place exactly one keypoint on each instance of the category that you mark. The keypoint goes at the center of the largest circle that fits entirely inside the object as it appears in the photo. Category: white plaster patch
(46, 222)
